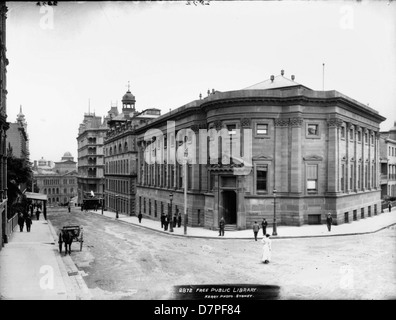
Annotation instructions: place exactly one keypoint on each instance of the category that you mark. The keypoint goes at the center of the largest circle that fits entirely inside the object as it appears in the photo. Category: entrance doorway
(229, 207)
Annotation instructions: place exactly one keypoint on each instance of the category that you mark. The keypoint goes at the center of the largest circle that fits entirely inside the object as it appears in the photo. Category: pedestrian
(166, 222)
(140, 216)
(256, 229)
(162, 220)
(264, 225)
(179, 220)
(28, 222)
(267, 249)
(175, 221)
(68, 207)
(390, 207)
(221, 226)
(21, 221)
(329, 221)
(38, 214)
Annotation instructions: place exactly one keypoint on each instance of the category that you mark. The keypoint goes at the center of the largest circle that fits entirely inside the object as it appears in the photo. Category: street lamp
(170, 214)
(274, 233)
(116, 206)
(185, 189)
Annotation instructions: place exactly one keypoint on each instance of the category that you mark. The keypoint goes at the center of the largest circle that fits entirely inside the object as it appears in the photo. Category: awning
(36, 196)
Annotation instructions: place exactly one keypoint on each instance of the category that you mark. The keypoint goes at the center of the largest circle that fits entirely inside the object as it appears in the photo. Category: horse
(66, 237)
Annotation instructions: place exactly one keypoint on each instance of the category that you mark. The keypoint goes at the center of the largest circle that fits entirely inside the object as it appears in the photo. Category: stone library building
(276, 147)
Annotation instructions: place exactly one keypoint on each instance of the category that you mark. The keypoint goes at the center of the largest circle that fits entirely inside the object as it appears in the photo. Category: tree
(19, 173)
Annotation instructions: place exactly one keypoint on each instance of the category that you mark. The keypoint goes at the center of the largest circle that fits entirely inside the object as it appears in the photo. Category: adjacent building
(90, 141)
(121, 154)
(59, 182)
(388, 163)
(3, 123)
(17, 138)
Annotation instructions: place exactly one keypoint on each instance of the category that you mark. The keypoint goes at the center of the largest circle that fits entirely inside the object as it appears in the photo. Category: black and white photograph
(222, 152)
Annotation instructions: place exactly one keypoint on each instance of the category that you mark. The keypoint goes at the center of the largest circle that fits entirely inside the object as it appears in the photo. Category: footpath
(371, 224)
(31, 267)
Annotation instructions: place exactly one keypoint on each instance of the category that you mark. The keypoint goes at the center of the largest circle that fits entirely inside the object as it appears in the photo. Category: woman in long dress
(267, 249)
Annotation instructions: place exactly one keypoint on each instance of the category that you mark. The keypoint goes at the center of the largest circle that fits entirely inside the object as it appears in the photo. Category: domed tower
(67, 156)
(128, 101)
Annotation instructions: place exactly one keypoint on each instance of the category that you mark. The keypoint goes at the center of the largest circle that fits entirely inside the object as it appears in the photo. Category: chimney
(292, 77)
(272, 78)
(282, 72)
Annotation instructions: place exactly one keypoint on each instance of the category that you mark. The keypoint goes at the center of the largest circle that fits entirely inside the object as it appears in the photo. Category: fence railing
(10, 226)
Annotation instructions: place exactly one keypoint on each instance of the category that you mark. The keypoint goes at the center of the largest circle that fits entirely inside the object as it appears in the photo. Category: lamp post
(170, 214)
(185, 189)
(274, 233)
(116, 205)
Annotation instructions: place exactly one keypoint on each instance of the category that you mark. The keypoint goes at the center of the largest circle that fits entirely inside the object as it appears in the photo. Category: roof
(36, 196)
(277, 82)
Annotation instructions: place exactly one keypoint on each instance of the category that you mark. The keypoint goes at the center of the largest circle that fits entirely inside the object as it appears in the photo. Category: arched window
(126, 146)
(111, 150)
(49, 191)
(45, 191)
(119, 148)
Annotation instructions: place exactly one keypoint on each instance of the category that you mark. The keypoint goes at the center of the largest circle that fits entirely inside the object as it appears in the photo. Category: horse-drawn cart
(68, 234)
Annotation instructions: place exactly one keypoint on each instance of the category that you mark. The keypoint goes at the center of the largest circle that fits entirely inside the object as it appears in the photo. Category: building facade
(58, 183)
(310, 153)
(3, 123)
(17, 138)
(121, 154)
(90, 141)
(388, 163)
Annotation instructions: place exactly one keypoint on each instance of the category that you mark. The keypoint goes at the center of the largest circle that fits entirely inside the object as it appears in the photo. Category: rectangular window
(313, 129)
(369, 211)
(149, 207)
(262, 129)
(351, 134)
(354, 215)
(312, 178)
(362, 213)
(342, 177)
(375, 209)
(343, 132)
(155, 208)
(359, 136)
(346, 217)
(365, 137)
(351, 178)
(140, 204)
(261, 178)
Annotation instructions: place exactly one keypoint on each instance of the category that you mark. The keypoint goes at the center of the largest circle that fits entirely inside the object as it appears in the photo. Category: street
(124, 261)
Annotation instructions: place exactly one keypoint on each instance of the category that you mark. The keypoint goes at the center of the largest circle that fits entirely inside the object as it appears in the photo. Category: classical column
(295, 155)
(356, 158)
(333, 161)
(281, 149)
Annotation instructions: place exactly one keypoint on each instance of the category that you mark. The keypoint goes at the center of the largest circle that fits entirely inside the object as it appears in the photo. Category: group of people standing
(24, 219)
(256, 228)
(165, 220)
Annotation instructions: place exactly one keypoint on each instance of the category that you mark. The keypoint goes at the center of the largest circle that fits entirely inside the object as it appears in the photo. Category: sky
(79, 56)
